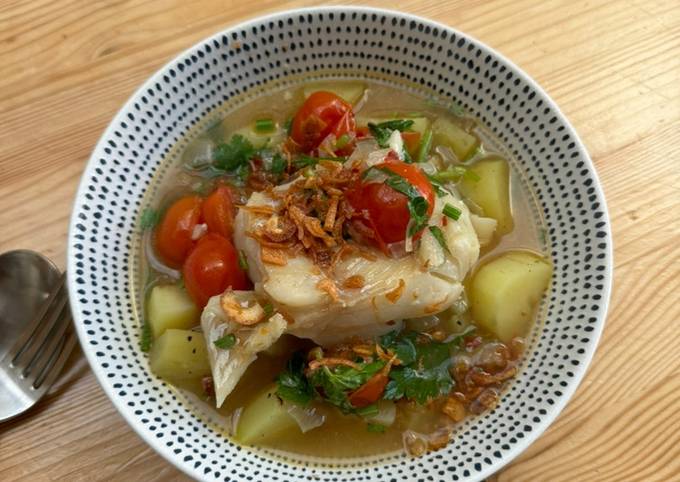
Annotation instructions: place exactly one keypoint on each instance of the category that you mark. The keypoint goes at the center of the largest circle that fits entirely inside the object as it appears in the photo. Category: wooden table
(613, 67)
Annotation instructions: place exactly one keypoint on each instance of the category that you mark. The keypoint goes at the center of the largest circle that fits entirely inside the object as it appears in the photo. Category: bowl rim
(579, 372)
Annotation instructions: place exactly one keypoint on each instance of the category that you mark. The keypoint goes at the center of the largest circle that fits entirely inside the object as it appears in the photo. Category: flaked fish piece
(223, 317)
(428, 281)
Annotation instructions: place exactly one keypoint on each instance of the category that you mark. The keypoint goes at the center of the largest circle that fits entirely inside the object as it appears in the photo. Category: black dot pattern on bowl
(360, 43)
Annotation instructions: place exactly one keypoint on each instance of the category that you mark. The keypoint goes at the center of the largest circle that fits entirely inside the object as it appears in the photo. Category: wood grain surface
(66, 66)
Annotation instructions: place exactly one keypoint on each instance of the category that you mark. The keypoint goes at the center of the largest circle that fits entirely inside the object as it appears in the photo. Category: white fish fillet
(427, 282)
(228, 365)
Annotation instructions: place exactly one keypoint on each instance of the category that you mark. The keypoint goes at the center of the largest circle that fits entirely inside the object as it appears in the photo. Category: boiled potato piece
(491, 191)
(179, 355)
(463, 144)
(264, 418)
(420, 124)
(504, 292)
(170, 306)
(259, 139)
(350, 92)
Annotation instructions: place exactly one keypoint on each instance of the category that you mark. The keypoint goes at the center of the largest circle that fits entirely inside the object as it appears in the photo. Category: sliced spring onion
(424, 146)
(375, 428)
(268, 309)
(264, 125)
(342, 141)
(439, 236)
(226, 342)
(368, 411)
(452, 212)
(242, 260)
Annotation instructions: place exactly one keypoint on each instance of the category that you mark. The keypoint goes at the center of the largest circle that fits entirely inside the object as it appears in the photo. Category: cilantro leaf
(292, 385)
(382, 131)
(417, 208)
(149, 218)
(424, 371)
(279, 164)
(334, 384)
(375, 428)
(231, 155)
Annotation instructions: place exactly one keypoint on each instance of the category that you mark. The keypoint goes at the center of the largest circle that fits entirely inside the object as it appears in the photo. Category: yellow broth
(341, 435)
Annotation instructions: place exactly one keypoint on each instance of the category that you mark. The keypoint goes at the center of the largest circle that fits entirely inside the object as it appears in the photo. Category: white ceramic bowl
(352, 42)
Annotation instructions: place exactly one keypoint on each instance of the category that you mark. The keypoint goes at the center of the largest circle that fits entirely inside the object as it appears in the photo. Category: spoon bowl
(26, 279)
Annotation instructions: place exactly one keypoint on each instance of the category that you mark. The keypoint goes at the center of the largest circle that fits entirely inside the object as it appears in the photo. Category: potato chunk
(169, 307)
(264, 418)
(463, 144)
(491, 191)
(505, 291)
(179, 355)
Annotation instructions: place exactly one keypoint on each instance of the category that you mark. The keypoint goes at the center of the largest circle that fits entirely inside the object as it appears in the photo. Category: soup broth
(190, 172)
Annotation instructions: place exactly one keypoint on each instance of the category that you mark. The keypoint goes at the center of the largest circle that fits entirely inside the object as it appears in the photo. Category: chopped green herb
(335, 383)
(242, 174)
(423, 374)
(417, 208)
(451, 212)
(234, 154)
(264, 126)
(368, 411)
(149, 218)
(292, 384)
(342, 141)
(375, 428)
(147, 337)
(279, 164)
(242, 260)
(288, 125)
(382, 131)
(439, 236)
(424, 146)
(226, 342)
(407, 157)
(304, 160)
(439, 188)
(268, 309)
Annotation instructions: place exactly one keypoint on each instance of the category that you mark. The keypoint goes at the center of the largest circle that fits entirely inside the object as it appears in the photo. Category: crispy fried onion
(331, 362)
(240, 311)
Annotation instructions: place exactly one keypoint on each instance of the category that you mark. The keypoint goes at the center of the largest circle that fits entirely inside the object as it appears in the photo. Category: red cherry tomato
(385, 210)
(370, 392)
(411, 142)
(173, 234)
(322, 113)
(212, 267)
(218, 212)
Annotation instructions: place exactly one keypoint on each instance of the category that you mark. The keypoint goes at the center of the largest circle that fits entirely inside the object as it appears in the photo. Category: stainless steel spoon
(35, 329)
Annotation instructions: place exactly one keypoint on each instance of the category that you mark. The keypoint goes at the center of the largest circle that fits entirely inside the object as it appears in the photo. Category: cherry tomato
(370, 392)
(411, 142)
(384, 209)
(173, 234)
(212, 267)
(218, 212)
(322, 113)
